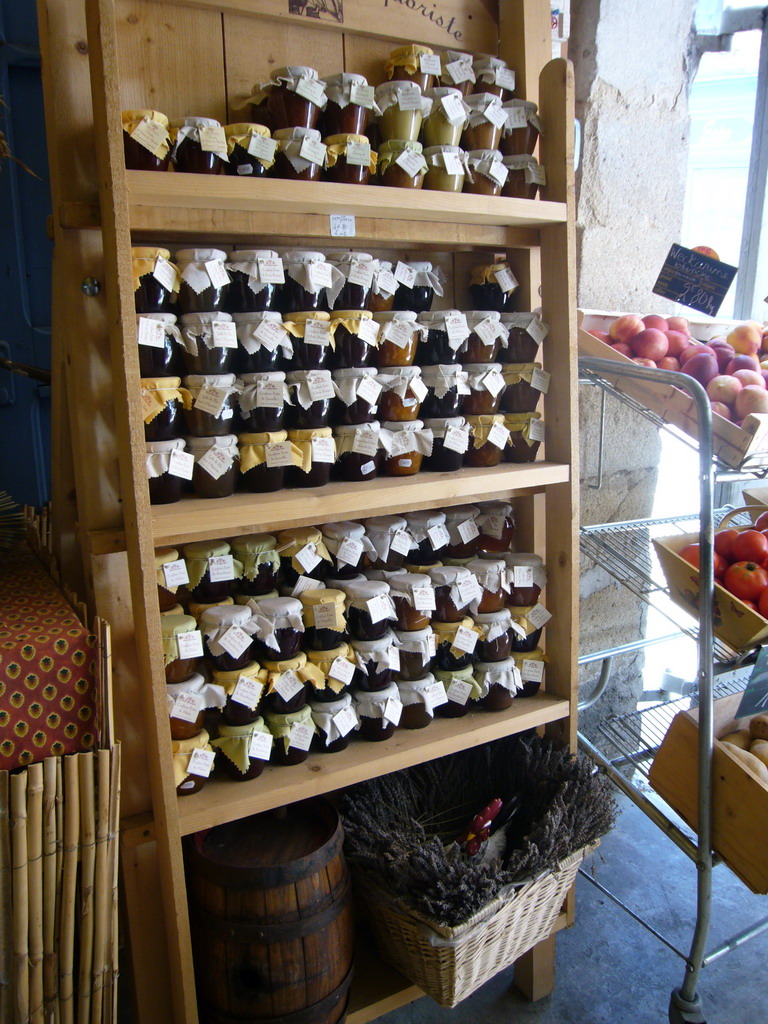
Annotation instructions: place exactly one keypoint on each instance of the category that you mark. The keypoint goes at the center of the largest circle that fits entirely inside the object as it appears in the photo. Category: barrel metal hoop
(308, 1015)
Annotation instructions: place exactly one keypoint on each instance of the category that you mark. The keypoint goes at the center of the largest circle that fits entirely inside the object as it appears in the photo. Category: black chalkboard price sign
(755, 698)
(694, 280)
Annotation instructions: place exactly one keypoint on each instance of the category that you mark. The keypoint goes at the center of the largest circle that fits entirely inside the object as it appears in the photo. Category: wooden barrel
(271, 918)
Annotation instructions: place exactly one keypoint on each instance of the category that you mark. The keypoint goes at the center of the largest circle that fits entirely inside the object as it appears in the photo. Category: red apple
(746, 338)
(625, 327)
(678, 323)
(678, 342)
(656, 322)
(601, 336)
(623, 347)
(702, 367)
(721, 409)
(644, 362)
(742, 362)
(668, 363)
(751, 399)
(724, 388)
(748, 377)
(650, 344)
(694, 349)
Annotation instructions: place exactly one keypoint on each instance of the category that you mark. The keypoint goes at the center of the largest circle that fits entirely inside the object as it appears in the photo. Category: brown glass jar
(276, 703)
(486, 389)
(188, 135)
(215, 475)
(290, 163)
(457, 705)
(312, 345)
(416, 649)
(334, 537)
(486, 117)
(354, 295)
(162, 400)
(533, 569)
(370, 712)
(497, 526)
(346, 162)
(522, 129)
(426, 550)
(350, 104)
(263, 344)
(520, 395)
(454, 590)
(404, 64)
(304, 410)
(259, 412)
(461, 523)
(373, 670)
(526, 333)
(398, 338)
(496, 643)
(399, 401)
(181, 751)
(525, 175)
(235, 712)
(232, 747)
(493, 76)
(437, 345)
(526, 637)
(358, 454)
(241, 139)
(446, 387)
(220, 389)
(477, 349)
(177, 668)
(499, 680)
(448, 658)
(438, 129)
(482, 451)
(491, 575)
(181, 729)
(305, 289)
(153, 153)
(487, 173)
(526, 432)
(328, 738)
(261, 563)
(287, 106)
(530, 686)
(166, 595)
(401, 164)
(402, 585)
(401, 115)
(356, 399)
(258, 476)
(154, 294)
(164, 487)
(446, 458)
(198, 555)
(361, 624)
(327, 689)
(291, 542)
(403, 446)
(198, 269)
(354, 339)
(419, 296)
(247, 292)
(280, 726)
(165, 359)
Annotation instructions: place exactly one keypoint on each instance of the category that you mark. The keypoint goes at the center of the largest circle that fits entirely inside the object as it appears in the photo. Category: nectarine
(746, 339)
(678, 323)
(659, 323)
(625, 327)
(751, 399)
(649, 344)
(724, 388)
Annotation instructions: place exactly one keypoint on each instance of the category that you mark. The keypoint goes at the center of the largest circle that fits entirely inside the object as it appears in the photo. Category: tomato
(723, 541)
(746, 580)
(750, 604)
(691, 555)
(749, 546)
(762, 604)
(762, 521)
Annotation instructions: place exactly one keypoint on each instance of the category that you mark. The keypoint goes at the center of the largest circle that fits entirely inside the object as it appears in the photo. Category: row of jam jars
(420, 693)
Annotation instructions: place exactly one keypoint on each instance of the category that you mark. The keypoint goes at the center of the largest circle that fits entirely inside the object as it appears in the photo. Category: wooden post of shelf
(525, 42)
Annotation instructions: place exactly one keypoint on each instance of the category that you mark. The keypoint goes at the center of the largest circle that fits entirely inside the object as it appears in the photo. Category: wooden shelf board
(222, 800)
(204, 519)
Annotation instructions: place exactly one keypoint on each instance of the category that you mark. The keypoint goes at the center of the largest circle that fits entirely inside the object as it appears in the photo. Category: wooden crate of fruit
(733, 442)
(740, 785)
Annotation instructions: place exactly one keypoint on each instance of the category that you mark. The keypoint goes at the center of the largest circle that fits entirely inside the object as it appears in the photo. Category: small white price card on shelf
(532, 671)
(459, 692)
(404, 274)
(424, 598)
(361, 272)
(220, 568)
(224, 334)
(349, 551)
(438, 536)
(235, 641)
(465, 640)
(278, 453)
(288, 685)
(190, 644)
(201, 763)
(343, 225)
(175, 573)
(213, 139)
(271, 270)
(217, 273)
(181, 464)
(378, 608)
(300, 737)
(342, 670)
(262, 148)
(215, 462)
(247, 691)
(151, 332)
(307, 557)
(261, 746)
(187, 707)
(393, 709)
(538, 616)
(345, 721)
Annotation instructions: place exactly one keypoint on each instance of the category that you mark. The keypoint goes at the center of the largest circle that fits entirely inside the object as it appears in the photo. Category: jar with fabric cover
(262, 398)
(262, 466)
(525, 384)
(461, 523)
(358, 270)
(198, 555)
(156, 280)
(455, 589)
(212, 408)
(486, 338)
(486, 172)
(526, 432)
(347, 544)
(442, 335)
(355, 338)
(263, 343)
(181, 753)
(402, 393)
(373, 710)
(162, 399)
(416, 649)
(208, 343)
(358, 451)
(217, 465)
(446, 386)
(485, 121)
(525, 176)
(383, 288)
(427, 530)
(233, 746)
(166, 592)
(497, 526)
(260, 560)
(456, 71)
(369, 608)
(491, 287)
(146, 141)
(310, 393)
(330, 687)
(532, 670)
(401, 105)
(224, 651)
(450, 439)
(165, 487)
(196, 608)
(312, 336)
(447, 118)
(317, 449)
(292, 543)
(404, 445)
(250, 148)
(349, 159)
(491, 574)
(325, 624)
(419, 698)
(332, 733)
(461, 690)
(401, 164)
(495, 642)
(398, 337)
(248, 291)
(350, 104)
(527, 576)
(205, 281)
(526, 333)
(449, 658)
(418, 297)
(357, 395)
(160, 350)
(382, 531)
(295, 96)
(199, 145)
(487, 443)
(198, 696)
(500, 682)
(245, 688)
(178, 667)
(493, 76)
(287, 684)
(285, 750)
(404, 63)
(446, 169)
(522, 128)
(301, 156)
(277, 627)
(413, 598)
(525, 635)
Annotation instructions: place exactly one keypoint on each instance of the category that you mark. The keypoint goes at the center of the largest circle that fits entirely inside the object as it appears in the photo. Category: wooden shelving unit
(201, 57)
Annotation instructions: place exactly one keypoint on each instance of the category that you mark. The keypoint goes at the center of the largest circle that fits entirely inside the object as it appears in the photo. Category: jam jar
(371, 711)
(446, 169)
(358, 451)
(313, 343)
(355, 337)
(204, 280)
(345, 561)
(442, 335)
(324, 620)
(486, 388)
(522, 128)
(495, 643)
(260, 560)
(402, 393)
(196, 609)
(447, 118)
(416, 649)
(450, 439)
(258, 476)
(331, 735)
(487, 174)
(162, 399)
(357, 269)
(160, 349)
(405, 64)
(492, 75)
(525, 636)
(181, 753)
(318, 454)
(525, 385)
(349, 159)
(248, 292)
(455, 587)
(527, 576)
(374, 662)
(284, 751)
(382, 531)
(446, 386)
(357, 395)
(292, 543)
(461, 689)
(244, 709)
(491, 286)
(304, 410)
(488, 439)
(205, 695)
(400, 104)
(492, 577)
(178, 667)
(301, 155)
(166, 593)
(500, 682)
(199, 145)
(217, 465)
(419, 296)
(279, 628)
(483, 347)
(484, 123)
(526, 432)
(461, 524)
(456, 71)
(296, 97)
(233, 746)
(146, 142)
(263, 343)
(208, 343)
(497, 526)
(198, 555)
(531, 665)
(350, 104)
(215, 623)
(398, 337)
(526, 333)
(369, 608)
(164, 487)
(287, 690)
(405, 445)
(412, 610)
(383, 288)
(151, 293)
(419, 698)
(212, 410)
(447, 657)
(262, 399)
(328, 688)
(309, 282)
(401, 164)
(250, 148)
(429, 534)
(525, 175)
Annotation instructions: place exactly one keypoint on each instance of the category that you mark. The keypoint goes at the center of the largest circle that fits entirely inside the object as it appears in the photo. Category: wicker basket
(449, 964)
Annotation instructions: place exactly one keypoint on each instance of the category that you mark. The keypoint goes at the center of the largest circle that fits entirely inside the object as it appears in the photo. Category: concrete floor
(611, 970)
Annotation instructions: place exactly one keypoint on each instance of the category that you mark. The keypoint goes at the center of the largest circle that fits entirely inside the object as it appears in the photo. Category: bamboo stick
(102, 893)
(87, 873)
(104, 680)
(20, 896)
(50, 889)
(6, 899)
(59, 874)
(35, 883)
(114, 845)
(68, 888)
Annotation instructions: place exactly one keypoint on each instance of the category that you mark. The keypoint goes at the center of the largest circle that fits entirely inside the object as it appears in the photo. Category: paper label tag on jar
(493, 382)
(244, 169)
(404, 274)
(181, 464)
(393, 709)
(151, 332)
(342, 670)
(359, 154)
(211, 400)
(190, 644)
(201, 762)
(498, 172)
(516, 118)
(278, 453)
(165, 273)
(221, 568)
(307, 557)
(438, 536)
(393, 658)
(411, 162)
(213, 139)
(386, 282)
(454, 111)
(288, 685)
(494, 526)
(459, 692)
(498, 435)
(378, 608)
(468, 530)
(362, 95)
(540, 380)
(459, 71)
(367, 467)
(235, 641)
(465, 640)
(536, 430)
(399, 334)
(187, 707)
(148, 405)
(269, 394)
(260, 747)
(175, 573)
(453, 164)
(320, 385)
(496, 114)
(300, 737)
(217, 273)
(532, 671)
(401, 542)
(303, 583)
(323, 450)
(368, 331)
(215, 462)
(423, 598)
(361, 273)
(487, 330)
(343, 225)
(350, 551)
(418, 388)
(345, 720)
(436, 695)
(538, 616)
(505, 77)
(365, 442)
(537, 329)
(327, 616)
(149, 134)
(429, 64)
(269, 334)
(317, 332)
(313, 151)
(535, 174)
(271, 271)
(456, 439)
(505, 279)
(369, 390)
(468, 591)
(247, 691)
(456, 326)
(402, 441)
(311, 90)
(523, 575)
(261, 147)
(409, 99)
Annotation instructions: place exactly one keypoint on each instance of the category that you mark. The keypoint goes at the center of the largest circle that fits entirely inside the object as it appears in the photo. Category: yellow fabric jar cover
(162, 557)
(520, 424)
(521, 656)
(253, 450)
(520, 616)
(197, 554)
(242, 133)
(196, 610)
(324, 659)
(336, 146)
(171, 626)
(296, 325)
(182, 750)
(514, 373)
(234, 742)
(157, 392)
(481, 426)
(289, 542)
(280, 725)
(307, 673)
(302, 439)
(228, 680)
(143, 260)
(351, 319)
(446, 631)
(131, 120)
(311, 599)
(406, 57)
(484, 274)
(390, 151)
